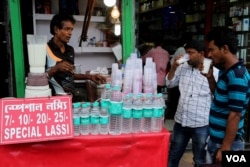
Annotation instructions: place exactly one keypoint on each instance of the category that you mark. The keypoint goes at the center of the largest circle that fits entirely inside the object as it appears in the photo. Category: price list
(35, 119)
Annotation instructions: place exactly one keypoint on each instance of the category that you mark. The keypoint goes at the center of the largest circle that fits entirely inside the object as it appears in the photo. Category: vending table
(133, 150)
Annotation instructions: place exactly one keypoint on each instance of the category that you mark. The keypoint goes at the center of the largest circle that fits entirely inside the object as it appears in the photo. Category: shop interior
(153, 18)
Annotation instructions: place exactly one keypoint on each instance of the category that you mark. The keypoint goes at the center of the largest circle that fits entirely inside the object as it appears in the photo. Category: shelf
(93, 49)
(242, 32)
(154, 9)
(239, 16)
(142, 2)
(195, 23)
(77, 17)
(150, 20)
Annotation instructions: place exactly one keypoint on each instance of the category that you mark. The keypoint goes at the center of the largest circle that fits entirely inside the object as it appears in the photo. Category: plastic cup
(183, 59)
(206, 65)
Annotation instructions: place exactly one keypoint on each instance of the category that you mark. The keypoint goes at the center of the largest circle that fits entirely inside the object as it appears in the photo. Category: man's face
(214, 53)
(195, 56)
(65, 33)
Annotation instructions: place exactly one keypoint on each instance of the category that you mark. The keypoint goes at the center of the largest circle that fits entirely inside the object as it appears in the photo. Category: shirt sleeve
(175, 80)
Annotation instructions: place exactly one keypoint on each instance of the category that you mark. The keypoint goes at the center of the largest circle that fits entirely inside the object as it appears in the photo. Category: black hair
(159, 41)
(197, 45)
(58, 20)
(223, 36)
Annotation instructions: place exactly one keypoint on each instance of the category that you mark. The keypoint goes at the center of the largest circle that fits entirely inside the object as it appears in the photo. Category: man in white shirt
(191, 118)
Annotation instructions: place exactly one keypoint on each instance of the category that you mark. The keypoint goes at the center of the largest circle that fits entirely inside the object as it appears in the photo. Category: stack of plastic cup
(116, 76)
(128, 77)
(154, 76)
(137, 79)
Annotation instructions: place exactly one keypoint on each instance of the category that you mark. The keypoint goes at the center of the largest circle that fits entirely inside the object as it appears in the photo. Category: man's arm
(211, 79)
(212, 83)
(98, 79)
(230, 134)
(61, 66)
(173, 69)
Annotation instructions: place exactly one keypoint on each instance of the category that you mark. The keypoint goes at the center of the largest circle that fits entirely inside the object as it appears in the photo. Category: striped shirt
(232, 94)
(195, 96)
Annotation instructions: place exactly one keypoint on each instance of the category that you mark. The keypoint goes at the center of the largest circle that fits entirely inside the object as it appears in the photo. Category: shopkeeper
(60, 58)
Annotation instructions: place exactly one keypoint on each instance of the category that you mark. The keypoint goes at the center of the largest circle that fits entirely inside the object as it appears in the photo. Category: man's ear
(202, 53)
(225, 49)
(56, 29)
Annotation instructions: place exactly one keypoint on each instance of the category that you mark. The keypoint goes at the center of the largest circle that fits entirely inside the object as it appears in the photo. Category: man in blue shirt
(231, 94)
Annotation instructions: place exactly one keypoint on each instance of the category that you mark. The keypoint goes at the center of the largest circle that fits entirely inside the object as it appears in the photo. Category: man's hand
(64, 66)
(98, 79)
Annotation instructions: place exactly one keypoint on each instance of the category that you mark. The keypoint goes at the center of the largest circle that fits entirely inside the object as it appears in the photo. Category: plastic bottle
(104, 119)
(85, 118)
(106, 92)
(76, 118)
(147, 113)
(116, 94)
(128, 100)
(158, 113)
(137, 114)
(115, 125)
(126, 120)
(115, 110)
(94, 119)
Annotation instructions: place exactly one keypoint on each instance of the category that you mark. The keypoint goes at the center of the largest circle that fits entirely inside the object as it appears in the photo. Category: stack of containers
(154, 75)
(137, 79)
(128, 77)
(115, 105)
(116, 76)
(37, 82)
(132, 82)
(148, 76)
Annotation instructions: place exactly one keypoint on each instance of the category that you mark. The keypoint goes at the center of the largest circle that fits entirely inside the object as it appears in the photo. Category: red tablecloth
(134, 150)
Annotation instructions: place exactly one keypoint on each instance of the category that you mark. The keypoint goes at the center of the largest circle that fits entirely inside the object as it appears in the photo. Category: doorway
(4, 62)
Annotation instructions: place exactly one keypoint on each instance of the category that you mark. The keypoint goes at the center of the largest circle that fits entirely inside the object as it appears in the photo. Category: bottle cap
(76, 105)
(85, 105)
(95, 104)
(107, 85)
